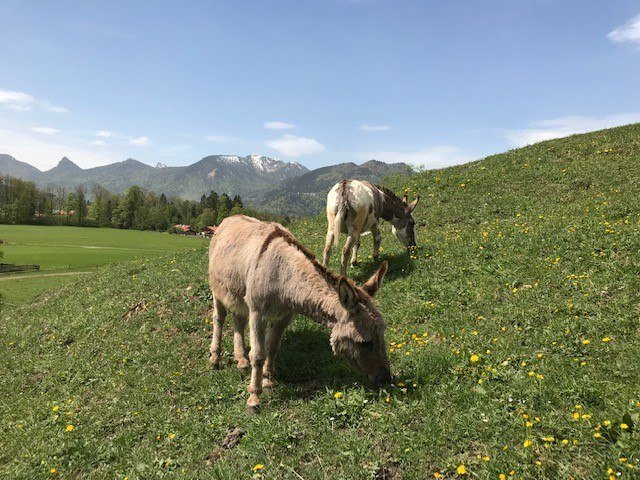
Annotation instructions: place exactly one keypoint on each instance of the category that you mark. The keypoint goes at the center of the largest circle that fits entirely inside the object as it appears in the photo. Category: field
(66, 253)
(513, 332)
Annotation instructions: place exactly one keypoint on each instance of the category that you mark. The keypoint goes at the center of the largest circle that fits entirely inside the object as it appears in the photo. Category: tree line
(22, 202)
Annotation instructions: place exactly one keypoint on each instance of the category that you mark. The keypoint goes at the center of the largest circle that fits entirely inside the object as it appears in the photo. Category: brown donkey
(259, 272)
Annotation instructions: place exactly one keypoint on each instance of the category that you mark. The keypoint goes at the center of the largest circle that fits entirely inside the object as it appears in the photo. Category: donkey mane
(293, 241)
(389, 193)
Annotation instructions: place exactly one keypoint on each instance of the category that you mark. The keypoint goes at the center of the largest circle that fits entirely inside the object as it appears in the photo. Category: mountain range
(263, 182)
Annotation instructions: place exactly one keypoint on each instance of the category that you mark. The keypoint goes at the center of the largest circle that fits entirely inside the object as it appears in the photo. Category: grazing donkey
(355, 207)
(261, 273)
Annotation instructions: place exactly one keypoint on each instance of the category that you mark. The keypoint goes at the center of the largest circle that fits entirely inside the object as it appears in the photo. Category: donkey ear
(413, 204)
(373, 284)
(347, 294)
(405, 199)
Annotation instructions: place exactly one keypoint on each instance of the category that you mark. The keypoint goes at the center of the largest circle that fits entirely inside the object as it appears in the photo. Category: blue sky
(319, 82)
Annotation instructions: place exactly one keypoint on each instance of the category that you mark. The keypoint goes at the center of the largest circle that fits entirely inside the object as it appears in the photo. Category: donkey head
(403, 223)
(359, 335)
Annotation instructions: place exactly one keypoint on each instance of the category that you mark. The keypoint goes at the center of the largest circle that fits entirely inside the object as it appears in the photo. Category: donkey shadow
(400, 266)
(306, 365)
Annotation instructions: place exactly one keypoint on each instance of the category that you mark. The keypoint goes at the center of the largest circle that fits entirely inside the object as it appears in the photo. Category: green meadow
(512, 329)
(65, 253)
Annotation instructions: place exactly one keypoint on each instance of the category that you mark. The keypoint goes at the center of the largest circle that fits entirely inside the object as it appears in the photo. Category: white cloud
(97, 143)
(23, 102)
(104, 133)
(19, 107)
(433, 157)
(45, 130)
(565, 126)
(629, 32)
(275, 125)
(220, 139)
(374, 128)
(53, 108)
(139, 141)
(44, 152)
(18, 101)
(7, 96)
(292, 146)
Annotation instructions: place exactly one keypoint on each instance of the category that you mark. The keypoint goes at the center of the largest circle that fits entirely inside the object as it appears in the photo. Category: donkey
(355, 207)
(261, 273)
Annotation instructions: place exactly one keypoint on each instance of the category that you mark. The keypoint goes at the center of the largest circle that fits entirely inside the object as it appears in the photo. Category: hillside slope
(513, 331)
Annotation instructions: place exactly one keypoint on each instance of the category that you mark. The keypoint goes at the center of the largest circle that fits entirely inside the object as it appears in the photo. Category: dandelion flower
(527, 443)
(55, 408)
(338, 395)
(624, 426)
(474, 358)
(462, 470)
(69, 428)
(172, 436)
(258, 467)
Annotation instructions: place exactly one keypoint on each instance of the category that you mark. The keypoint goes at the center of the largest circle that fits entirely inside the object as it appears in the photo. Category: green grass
(64, 250)
(528, 263)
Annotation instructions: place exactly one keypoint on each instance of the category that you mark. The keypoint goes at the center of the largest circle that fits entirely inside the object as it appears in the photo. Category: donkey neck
(310, 293)
(390, 207)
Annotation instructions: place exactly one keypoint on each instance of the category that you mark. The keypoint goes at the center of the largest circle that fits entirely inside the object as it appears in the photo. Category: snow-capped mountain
(231, 174)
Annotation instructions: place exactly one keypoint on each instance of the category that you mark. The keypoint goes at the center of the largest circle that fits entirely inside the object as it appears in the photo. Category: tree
(207, 217)
(223, 212)
(81, 204)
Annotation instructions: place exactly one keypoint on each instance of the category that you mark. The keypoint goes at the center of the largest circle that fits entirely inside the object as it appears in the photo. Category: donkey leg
(354, 250)
(239, 326)
(257, 355)
(377, 238)
(346, 250)
(275, 331)
(219, 315)
(327, 247)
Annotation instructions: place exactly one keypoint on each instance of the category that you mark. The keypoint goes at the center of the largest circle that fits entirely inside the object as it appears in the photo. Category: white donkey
(355, 207)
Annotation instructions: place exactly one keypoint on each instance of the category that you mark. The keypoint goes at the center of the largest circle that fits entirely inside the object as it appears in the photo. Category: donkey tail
(341, 216)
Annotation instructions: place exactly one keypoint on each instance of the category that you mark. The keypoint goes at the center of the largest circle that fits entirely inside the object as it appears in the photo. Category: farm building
(208, 231)
(184, 229)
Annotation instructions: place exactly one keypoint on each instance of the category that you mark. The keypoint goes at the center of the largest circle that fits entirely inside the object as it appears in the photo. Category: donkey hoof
(215, 362)
(243, 364)
(267, 383)
(253, 404)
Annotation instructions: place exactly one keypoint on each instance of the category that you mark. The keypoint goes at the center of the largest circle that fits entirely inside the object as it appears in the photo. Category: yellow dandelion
(606, 339)
(502, 476)
(586, 341)
(527, 443)
(474, 358)
(55, 408)
(172, 436)
(52, 471)
(338, 395)
(462, 470)
(624, 426)
(69, 428)
(258, 467)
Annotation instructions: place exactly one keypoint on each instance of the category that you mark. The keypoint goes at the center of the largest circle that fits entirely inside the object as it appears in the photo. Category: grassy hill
(513, 330)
